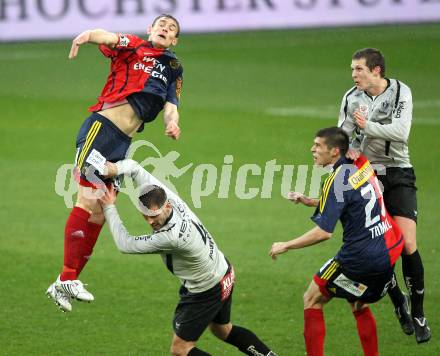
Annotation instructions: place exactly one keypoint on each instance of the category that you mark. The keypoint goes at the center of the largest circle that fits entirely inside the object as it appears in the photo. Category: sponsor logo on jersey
(142, 238)
(174, 64)
(355, 288)
(361, 176)
(227, 282)
(399, 109)
(384, 107)
(183, 228)
(150, 68)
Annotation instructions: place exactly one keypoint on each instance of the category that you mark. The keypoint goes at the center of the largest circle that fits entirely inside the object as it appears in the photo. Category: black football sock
(247, 342)
(197, 352)
(395, 293)
(413, 272)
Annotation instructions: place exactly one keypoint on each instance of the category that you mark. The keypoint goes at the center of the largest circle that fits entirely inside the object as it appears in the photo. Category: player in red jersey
(145, 78)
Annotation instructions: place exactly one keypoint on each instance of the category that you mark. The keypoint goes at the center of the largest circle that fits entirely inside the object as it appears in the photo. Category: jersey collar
(169, 217)
(340, 162)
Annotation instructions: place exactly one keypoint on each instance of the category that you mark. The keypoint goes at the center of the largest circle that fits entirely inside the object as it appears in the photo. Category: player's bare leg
(180, 347)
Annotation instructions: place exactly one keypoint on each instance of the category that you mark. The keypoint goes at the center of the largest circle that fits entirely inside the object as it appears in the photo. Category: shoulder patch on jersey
(123, 40)
(361, 176)
(174, 64)
(179, 83)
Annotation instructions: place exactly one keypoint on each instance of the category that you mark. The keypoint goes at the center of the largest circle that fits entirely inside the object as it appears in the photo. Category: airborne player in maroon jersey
(145, 78)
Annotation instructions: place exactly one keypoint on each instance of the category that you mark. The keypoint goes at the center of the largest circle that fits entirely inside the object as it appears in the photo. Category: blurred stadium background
(257, 95)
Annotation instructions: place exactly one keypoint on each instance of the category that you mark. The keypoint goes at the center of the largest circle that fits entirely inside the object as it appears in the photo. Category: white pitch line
(332, 112)
(427, 104)
(324, 112)
(30, 55)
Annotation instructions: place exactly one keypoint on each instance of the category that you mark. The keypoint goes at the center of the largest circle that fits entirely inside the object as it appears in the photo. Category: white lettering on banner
(29, 19)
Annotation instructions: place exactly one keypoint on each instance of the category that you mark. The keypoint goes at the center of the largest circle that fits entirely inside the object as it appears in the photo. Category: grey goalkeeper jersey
(186, 247)
(385, 137)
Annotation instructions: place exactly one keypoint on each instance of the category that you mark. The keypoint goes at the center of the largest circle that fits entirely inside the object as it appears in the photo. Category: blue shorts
(99, 134)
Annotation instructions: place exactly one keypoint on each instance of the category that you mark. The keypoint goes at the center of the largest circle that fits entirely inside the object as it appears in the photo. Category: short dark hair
(168, 16)
(153, 196)
(373, 58)
(335, 137)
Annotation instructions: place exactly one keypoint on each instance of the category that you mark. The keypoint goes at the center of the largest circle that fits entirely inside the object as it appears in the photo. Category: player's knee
(358, 306)
(410, 246)
(180, 347)
(314, 299)
(220, 331)
(307, 299)
(177, 350)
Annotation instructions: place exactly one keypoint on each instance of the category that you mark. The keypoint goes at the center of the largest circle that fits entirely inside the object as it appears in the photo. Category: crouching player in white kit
(190, 253)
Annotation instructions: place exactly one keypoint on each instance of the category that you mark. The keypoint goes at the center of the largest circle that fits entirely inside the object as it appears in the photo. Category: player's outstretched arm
(171, 120)
(96, 36)
(311, 237)
(297, 198)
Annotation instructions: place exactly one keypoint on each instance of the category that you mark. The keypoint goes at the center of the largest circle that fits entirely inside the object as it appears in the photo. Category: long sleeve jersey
(385, 137)
(187, 248)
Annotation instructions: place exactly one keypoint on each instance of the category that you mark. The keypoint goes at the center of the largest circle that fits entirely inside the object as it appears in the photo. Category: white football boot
(60, 298)
(75, 289)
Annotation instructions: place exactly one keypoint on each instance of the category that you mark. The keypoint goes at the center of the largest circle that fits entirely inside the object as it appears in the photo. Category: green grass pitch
(257, 96)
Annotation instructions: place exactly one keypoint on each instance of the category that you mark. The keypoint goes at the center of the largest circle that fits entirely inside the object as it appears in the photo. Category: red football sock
(314, 331)
(88, 244)
(74, 235)
(366, 325)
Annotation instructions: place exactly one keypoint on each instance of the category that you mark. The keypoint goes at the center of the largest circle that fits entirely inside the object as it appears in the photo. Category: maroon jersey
(136, 66)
